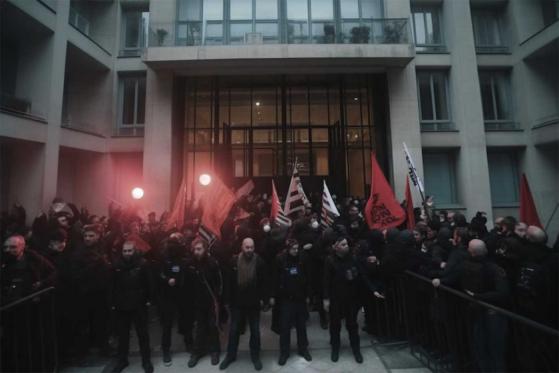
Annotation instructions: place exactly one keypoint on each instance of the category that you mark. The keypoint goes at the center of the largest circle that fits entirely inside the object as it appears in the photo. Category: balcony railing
(346, 31)
(501, 125)
(437, 126)
(19, 106)
(78, 21)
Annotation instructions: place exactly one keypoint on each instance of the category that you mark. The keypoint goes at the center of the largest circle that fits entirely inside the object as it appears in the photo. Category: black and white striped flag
(208, 236)
(277, 215)
(296, 199)
(329, 211)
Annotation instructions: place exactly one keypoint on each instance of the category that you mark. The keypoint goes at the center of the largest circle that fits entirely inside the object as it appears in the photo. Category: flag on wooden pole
(410, 216)
(329, 210)
(176, 219)
(528, 212)
(296, 199)
(277, 215)
(416, 180)
(217, 200)
(382, 210)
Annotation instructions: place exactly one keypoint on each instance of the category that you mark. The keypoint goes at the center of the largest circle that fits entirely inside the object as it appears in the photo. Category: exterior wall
(149, 161)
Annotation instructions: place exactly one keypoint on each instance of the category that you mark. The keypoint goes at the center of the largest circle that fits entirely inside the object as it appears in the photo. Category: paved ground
(381, 358)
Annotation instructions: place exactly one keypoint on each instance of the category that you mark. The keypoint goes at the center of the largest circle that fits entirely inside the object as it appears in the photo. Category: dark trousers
(92, 320)
(206, 333)
(489, 331)
(238, 314)
(293, 313)
(169, 311)
(124, 320)
(348, 311)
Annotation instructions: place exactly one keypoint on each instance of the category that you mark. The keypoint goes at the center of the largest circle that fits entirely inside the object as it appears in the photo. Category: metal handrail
(26, 298)
(512, 315)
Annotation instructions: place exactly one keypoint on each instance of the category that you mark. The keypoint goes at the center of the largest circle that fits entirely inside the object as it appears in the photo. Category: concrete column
(472, 169)
(56, 93)
(157, 166)
(404, 127)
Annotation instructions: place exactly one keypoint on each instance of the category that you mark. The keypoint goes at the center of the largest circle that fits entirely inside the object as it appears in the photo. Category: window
(550, 11)
(488, 31)
(134, 34)
(132, 104)
(199, 20)
(503, 177)
(427, 29)
(432, 87)
(495, 97)
(440, 179)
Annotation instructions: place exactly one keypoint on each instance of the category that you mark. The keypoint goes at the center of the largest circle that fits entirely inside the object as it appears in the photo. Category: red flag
(382, 210)
(217, 200)
(528, 212)
(176, 219)
(410, 216)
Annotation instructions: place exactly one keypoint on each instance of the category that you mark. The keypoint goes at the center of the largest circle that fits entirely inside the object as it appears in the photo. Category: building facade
(100, 96)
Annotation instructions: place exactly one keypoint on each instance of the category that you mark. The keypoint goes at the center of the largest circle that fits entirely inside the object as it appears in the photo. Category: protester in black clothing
(174, 296)
(343, 278)
(451, 270)
(370, 253)
(90, 274)
(207, 288)
(535, 291)
(131, 292)
(291, 288)
(23, 271)
(485, 281)
(57, 253)
(246, 292)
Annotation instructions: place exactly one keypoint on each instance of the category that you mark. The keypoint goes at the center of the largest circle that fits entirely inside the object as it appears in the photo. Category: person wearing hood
(291, 287)
(207, 285)
(131, 294)
(173, 290)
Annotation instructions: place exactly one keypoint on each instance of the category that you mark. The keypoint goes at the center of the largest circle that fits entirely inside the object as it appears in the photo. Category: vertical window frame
(137, 128)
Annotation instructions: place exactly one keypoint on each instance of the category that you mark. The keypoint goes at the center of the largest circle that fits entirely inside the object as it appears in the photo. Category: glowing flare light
(137, 193)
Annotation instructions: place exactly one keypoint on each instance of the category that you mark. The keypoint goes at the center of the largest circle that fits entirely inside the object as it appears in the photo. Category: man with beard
(292, 289)
(173, 292)
(207, 286)
(130, 295)
(343, 279)
(57, 253)
(245, 294)
(89, 274)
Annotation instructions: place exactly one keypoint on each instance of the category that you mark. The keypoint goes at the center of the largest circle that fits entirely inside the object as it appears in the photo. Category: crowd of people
(108, 271)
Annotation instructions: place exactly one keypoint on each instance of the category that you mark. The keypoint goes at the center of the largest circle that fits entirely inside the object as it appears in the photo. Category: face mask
(314, 224)
(266, 228)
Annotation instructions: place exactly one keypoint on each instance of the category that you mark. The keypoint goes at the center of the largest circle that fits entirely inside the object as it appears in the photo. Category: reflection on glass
(238, 31)
(266, 9)
(240, 107)
(213, 10)
(319, 107)
(322, 9)
(214, 33)
(297, 9)
(349, 8)
(298, 106)
(320, 161)
(269, 31)
(264, 107)
(371, 8)
(319, 135)
(263, 162)
(241, 9)
(190, 10)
